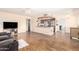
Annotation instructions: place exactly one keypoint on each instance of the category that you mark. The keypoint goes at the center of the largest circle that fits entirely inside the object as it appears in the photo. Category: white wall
(5, 20)
(66, 15)
(4, 16)
(76, 14)
(67, 20)
(42, 30)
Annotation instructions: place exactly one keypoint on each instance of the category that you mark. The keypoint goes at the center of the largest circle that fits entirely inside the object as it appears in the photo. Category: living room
(39, 29)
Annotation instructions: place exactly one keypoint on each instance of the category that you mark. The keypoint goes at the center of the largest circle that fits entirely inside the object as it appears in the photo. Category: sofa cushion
(6, 42)
(4, 37)
(4, 33)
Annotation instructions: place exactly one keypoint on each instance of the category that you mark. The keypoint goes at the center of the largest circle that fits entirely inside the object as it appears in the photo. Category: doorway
(62, 25)
(29, 25)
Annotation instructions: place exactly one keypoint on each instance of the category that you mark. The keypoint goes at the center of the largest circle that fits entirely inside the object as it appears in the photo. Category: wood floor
(58, 42)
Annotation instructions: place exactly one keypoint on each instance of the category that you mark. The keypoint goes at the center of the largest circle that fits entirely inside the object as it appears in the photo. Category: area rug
(22, 43)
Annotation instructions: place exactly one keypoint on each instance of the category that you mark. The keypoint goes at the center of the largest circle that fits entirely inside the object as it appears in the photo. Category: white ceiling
(20, 11)
(35, 11)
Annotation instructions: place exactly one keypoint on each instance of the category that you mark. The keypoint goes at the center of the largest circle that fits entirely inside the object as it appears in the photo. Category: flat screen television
(10, 25)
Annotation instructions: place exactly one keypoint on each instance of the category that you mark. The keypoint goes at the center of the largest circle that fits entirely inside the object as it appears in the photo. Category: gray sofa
(8, 43)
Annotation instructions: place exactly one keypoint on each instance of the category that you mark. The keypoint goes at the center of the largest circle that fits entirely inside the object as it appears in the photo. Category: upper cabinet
(46, 21)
